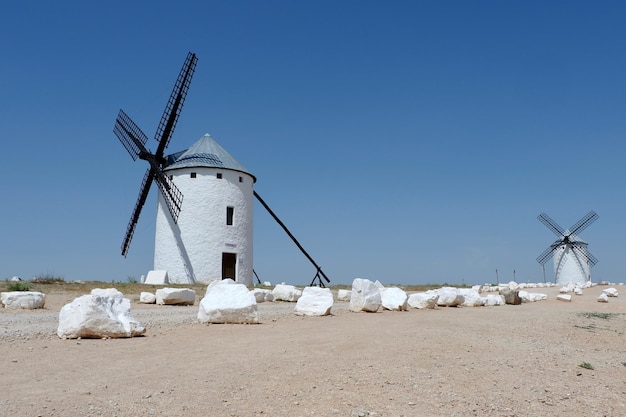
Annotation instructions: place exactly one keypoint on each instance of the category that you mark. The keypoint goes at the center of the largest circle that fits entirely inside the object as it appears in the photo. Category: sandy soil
(480, 361)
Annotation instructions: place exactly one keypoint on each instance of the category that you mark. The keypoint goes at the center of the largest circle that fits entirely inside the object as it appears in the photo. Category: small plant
(624, 363)
(594, 315)
(586, 365)
(47, 279)
(132, 280)
(19, 286)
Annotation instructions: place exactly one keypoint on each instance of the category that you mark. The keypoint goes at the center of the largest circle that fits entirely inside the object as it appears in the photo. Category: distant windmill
(572, 260)
(211, 237)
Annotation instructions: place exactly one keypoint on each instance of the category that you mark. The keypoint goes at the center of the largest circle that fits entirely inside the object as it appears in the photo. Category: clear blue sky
(404, 141)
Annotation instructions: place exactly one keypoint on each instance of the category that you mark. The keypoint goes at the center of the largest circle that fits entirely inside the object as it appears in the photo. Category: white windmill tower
(217, 217)
(211, 238)
(572, 260)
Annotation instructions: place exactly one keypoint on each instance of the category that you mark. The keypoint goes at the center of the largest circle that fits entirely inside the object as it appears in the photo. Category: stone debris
(226, 302)
(175, 296)
(107, 292)
(365, 296)
(394, 299)
(423, 300)
(28, 300)
(343, 295)
(16, 279)
(603, 298)
(147, 298)
(315, 301)
(610, 292)
(92, 316)
(284, 292)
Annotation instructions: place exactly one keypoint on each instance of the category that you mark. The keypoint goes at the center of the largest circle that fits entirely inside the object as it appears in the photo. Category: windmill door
(229, 261)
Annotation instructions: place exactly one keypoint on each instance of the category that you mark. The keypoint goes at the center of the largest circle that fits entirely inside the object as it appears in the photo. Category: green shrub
(19, 286)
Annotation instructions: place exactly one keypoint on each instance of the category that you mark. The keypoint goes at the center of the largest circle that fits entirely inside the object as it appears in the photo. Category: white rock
(91, 316)
(578, 291)
(423, 300)
(261, 294)
(564, 297)
(147, 298)
(365, 296)
(267, 283)
(379, 285)
(495, 300)
(343, 295)
(158, 277)
(107, 292)
(175, 296)
(471, 298)
(28, 300)
(227, 281)
(603, 298)
(449, 297)
(529, 297)
(393, 298)
(16, 279)
(284, 292)
(315, 301)
(611, 292)
(228, 303)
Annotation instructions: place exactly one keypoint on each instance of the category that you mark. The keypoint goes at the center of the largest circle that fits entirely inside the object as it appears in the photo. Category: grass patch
(18, 286)
(601, 316)
(586, 365)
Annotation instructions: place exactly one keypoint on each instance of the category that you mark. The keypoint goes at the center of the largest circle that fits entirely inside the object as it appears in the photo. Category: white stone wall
(191, 251)
(566, 265)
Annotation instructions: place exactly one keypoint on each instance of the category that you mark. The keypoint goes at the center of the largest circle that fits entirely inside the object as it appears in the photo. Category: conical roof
(206, 152)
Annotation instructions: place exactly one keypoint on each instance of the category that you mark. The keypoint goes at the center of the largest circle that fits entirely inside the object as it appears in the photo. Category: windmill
(212, 237)
(572, 260)
(134, 140)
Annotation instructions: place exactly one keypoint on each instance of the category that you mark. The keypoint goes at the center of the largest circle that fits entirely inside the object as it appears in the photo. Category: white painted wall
(566, 265)
(191, 251)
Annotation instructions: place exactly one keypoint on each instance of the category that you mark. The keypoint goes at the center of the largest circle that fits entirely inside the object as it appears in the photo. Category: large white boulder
(284, 292)
(603, 298)
(175, 296)
(107, 292)
(564, 297)
(529, 297)
(610, 292)
(28, 300)
(423, 300)
(315, 301)
(157, 277)
(92, 316)
(393, 298)
(228, 303)
(449, 297)
(494, 300)
(147, 298)
(365, 296)
(343, 295)
(471, 298)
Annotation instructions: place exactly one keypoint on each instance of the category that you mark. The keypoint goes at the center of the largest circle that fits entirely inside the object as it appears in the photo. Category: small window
(192, 175)
(171, 177)
(230, 212)
(219, 175)
(240, 179)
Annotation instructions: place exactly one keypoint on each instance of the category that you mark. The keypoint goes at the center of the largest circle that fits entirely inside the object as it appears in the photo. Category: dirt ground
(548, 358)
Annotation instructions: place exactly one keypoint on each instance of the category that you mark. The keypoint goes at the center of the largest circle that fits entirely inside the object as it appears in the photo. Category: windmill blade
(588, 257)
(171, 194)
(131, 136)
(143, 194)
(582, 224)
(175, 104)
(547, 254)
(551, 224)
